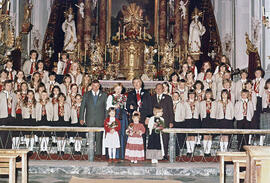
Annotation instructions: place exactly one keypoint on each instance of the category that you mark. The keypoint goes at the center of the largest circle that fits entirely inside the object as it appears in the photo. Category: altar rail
(90, 133)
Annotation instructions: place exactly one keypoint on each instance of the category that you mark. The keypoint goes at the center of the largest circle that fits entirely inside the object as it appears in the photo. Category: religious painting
(148, 7)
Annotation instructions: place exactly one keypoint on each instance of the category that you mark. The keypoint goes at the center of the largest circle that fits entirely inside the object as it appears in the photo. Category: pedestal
(172, 147)
(91, 146)
(132, 58)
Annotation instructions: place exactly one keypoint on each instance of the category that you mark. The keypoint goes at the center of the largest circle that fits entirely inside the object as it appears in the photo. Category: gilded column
(186, 26)
(162, 22)
(87, 22)
(80, 26)
(177, 18)
(102, 23)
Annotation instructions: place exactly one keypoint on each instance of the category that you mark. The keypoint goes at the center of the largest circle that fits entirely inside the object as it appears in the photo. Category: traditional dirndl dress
(135, 146)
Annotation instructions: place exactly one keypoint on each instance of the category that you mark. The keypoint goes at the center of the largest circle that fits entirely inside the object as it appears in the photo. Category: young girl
(179, 118)
(44, 117)
(155, 150)
(198, 86)
(225, 115)
(182, 90)
(10, 70)
(184, 70)
(35, 81)
(75, 73)
(41, 88)
(24, 90)
(224, 60)
(65, 86)
(208, 110)
(218, 77)
(86, 81)
(209, 83)
(192, 108)
(73, 92)
(75, 114)
(240, 85)
(174, 79)
(192, 66)
(166, 87)
(51, 82)
(55, 94)
(190, 80)
(61, 118)
(29, 117)
(17, 103)
(227, 85)
(44, 75)
(19, 79)
(112, 127)
(3, 78)
(135, 146)
(206, 65)
(244, 111)
(251, 94)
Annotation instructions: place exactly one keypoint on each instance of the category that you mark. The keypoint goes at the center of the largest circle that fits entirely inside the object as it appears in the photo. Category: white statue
(183, 9)
(81, 8)
(69, 29)
(196, 30)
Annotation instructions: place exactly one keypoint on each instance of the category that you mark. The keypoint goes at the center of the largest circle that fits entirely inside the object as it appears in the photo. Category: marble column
(102, 23)
(177, 25)
(185, 27)
(87, 22)
(162, 22)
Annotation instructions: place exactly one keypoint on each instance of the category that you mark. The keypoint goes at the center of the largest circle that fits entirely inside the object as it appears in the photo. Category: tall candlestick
(140, 32)
(8, 4)
(124, 31)
(144, 33)
(263, 11)
(105, 53)
(59, 56)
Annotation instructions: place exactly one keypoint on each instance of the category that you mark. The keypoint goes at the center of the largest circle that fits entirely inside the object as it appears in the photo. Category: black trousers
(180, 137)
(243, 139)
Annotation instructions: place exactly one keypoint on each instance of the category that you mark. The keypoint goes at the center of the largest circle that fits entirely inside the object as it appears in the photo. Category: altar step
(125, 168)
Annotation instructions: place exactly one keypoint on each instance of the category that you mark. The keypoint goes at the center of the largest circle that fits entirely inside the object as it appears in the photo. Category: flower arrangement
(130, 129)
(119, 99)
(113, 125)
(159, 125)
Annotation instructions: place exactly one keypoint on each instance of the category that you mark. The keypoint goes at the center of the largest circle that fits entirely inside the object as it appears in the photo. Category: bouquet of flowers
(113, 125)
(129, 130)
(119, 99)
(159, 125)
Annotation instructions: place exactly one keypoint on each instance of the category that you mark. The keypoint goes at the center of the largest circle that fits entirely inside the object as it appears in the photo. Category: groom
(93, 111)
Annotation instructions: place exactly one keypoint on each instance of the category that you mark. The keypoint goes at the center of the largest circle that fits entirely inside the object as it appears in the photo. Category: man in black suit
(166, 103)
(139, 100)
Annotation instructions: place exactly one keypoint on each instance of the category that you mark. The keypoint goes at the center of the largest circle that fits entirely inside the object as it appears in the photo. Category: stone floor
(56, 178)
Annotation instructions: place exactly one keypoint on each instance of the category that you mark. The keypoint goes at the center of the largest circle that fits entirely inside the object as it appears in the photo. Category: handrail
(167, 130)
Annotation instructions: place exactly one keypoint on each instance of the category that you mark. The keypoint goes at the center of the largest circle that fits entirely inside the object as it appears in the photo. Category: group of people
(132, 121)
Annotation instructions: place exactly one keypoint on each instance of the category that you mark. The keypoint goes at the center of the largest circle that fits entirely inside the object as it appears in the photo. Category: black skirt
(43, 122)
(29, 122)
(62, 123)
(154, 141)
(225, 124)
(17, 122)
(193, 123)
(209, 122)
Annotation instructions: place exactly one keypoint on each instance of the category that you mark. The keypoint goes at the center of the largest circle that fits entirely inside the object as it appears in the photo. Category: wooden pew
(255, 154)
(10, 169)
(23, 164)
(228, 157)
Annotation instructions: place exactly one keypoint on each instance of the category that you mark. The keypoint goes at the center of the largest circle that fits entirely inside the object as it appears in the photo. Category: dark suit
(167, 105)
(94, 114)
(145, 109)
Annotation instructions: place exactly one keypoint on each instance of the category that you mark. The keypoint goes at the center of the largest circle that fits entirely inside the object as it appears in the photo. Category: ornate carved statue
(196, 30)
(69, 29)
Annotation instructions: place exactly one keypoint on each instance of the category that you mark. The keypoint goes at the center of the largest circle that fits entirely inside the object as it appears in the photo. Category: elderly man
(166, 103)
(93, 111)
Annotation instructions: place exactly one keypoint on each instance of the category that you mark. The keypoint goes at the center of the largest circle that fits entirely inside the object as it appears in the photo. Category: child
(166, 87)
(251, 94)
(209, 83)
(244, 111)
(184, 70)
(190, 80)
(202, 75)
(44, 116)
(75, 73)
(19, 79)
(65, 86)
(29, 117)
(35, 81)
(75, 114)
(86, 81)
(61, 118)
(192, 120)
(208, 117)
(44, 75)
(224, 60)
(112, 127)
(179, 117)
(18, 119)
(174, 79)
(225, 115)
(155, 150)
(10, 70)
(198, 86)
(240, 85)
(182, 90)
(55, 94)
(135, 146)
(73, 92)
(192, 67)
(63, 65)
(3, 78)
(51, 82)
(227, 85)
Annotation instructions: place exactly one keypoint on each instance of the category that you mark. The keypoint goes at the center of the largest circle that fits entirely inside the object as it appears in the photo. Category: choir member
(86, 82)
(29, 66)
(51, 83)
(65, 86)
(19, 79)
(202, 75)
(209, 83)
(35, 81)
(75, 73)
(174, 79)
(9, 68)
(44, 75)
(192, 67)
(240, 85)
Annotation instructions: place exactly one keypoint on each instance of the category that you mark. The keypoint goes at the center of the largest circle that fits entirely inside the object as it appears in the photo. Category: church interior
(76, 74)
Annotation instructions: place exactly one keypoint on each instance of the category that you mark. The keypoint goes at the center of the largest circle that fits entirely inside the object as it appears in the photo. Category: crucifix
(212, 54)
(50, 52)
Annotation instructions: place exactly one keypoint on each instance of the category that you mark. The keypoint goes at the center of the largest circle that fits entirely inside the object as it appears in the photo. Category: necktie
(158, 99)
(138, 99)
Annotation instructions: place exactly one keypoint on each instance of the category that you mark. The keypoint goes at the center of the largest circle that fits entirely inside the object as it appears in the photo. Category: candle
(140, 32)
(59, 55)
(8, 4)
(105, 53)
(144, 33)
(124, 31)
(263, 11)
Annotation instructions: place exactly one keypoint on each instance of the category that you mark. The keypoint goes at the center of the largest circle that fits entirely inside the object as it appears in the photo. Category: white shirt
(95, 93)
